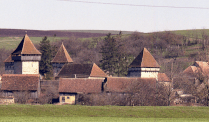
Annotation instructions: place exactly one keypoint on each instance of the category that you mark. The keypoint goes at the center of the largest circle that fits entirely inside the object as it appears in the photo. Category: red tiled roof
(191, 70)
(62, 56)
(162, 77)
(123, 84)
(197, 67)
(72, 70)
(80, 85)
(144, 59)
(9, 59)
(26, 47)
(97, 72)
(204, 67)
(12, 82)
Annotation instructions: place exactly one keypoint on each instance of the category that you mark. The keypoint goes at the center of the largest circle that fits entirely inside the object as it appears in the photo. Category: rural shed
(14, 84)
(69, 88)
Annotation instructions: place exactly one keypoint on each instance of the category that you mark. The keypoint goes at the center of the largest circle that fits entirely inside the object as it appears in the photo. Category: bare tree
(21, 97)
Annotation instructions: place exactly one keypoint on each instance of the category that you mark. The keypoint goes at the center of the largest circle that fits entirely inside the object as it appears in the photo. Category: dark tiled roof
(71, 70)
(62, 56)
(9, 59)
(26, 47)
(144, 59)
(80, 85)
(123, 84)
(162, 77)
(12, 82)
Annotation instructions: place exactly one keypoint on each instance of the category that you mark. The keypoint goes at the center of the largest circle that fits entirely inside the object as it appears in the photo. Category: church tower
(25, 57)
(144, 66)
(61, 58)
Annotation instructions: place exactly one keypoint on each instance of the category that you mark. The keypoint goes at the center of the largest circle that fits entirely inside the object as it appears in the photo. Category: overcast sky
(69, 15)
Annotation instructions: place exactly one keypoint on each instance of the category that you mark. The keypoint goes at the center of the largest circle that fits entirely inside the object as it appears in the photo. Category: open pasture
(52, 113)
(12, 42)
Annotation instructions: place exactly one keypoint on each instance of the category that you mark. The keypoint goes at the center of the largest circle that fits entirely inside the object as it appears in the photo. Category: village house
(71, 88)
(76, 79)
(196, 75)
(15, 84)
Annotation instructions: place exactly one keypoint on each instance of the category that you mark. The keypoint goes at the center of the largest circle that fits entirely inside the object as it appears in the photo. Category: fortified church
(22, 74)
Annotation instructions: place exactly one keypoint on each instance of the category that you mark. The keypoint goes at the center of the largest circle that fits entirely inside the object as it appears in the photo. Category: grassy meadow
(71, 113)
(12, 42)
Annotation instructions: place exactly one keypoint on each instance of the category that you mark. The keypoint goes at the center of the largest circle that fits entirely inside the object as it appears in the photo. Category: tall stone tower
(61, 58)
(144, 66)
(26, 57)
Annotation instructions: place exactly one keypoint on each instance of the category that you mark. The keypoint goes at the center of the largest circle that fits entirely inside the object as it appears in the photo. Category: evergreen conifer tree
(109, 54)
(45, 63)
(114, 58)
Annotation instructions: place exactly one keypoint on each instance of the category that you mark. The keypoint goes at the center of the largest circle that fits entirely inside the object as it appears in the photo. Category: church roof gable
(144, 59)
(26, 47)
(62, 56)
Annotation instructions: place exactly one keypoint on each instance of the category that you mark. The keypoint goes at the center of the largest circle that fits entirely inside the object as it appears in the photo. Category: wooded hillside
(180, 48)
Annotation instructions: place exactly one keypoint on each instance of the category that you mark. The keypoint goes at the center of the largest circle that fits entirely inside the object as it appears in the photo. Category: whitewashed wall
(30, 67)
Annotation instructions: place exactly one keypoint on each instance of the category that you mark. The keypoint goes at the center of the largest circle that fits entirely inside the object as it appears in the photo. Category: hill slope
(59, 33)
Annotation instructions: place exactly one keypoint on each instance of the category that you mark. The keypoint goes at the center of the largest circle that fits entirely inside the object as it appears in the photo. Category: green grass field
(71, 113)
(12, 42)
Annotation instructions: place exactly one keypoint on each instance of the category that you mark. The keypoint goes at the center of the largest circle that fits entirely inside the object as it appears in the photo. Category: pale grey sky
(69, 15)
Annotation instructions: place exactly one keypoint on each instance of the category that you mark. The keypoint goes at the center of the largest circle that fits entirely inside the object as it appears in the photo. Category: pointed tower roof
(62, 55)
(26, 47)
(144, 59)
